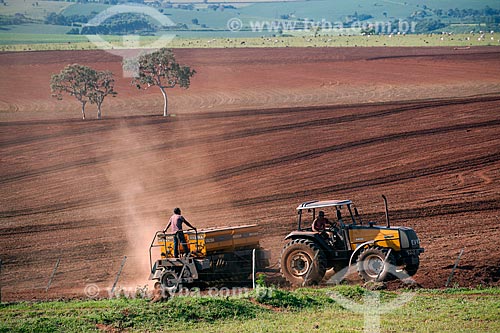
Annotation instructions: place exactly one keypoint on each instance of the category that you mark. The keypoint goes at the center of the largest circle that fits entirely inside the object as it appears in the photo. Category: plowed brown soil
(258, 132)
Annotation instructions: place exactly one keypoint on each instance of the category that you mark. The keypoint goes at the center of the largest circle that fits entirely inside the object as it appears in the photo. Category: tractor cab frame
(339, 205)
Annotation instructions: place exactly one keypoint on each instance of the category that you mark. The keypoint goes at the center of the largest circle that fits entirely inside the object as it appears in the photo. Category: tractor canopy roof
(321, 204)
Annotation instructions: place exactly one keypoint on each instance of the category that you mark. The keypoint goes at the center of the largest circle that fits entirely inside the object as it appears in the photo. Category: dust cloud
(148, 194)
(131, 175)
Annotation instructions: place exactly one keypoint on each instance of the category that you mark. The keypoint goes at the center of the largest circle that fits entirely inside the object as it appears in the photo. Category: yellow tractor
(380, 253)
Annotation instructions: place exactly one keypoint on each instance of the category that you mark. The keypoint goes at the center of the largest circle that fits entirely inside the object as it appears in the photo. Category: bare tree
(162, 70)
(85, 84)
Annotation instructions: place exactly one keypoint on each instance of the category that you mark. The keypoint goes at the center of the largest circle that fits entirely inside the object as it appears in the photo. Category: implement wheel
(169, 281)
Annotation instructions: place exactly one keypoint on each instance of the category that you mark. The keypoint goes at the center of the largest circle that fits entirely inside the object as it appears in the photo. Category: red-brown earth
(258, 132)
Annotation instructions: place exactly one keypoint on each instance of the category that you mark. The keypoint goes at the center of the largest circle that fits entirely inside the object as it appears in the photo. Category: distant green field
(333, 11)
(274, 310)
(84, 9)
(214, 20)
(330, 10)
(32, 29)
(212, 28)
(338, 9)
(38, 39)
(28, 7)
(39, 42)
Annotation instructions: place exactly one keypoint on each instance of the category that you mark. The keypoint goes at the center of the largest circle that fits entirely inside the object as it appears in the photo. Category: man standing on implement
(176, 221)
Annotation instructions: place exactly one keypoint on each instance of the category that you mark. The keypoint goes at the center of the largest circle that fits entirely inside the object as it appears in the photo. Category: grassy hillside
(453, 310)
(338, 9)
(84, 9)
(30, 9)
(332, 11)
(15, 31)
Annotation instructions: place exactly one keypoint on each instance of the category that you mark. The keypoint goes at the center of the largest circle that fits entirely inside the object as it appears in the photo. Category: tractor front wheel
(411, 269)
(372, 264)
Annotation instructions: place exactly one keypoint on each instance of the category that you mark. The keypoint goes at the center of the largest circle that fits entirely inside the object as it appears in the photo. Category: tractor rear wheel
(373, 266)
(302, 262)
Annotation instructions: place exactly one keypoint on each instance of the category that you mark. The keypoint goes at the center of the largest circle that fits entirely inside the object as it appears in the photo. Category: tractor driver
(176, 221)
(320, 225)
(321, 222)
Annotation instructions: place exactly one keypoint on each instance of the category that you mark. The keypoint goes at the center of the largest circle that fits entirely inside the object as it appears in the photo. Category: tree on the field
(73, 80)
(102, 85)
(161, 69)
(85, 84)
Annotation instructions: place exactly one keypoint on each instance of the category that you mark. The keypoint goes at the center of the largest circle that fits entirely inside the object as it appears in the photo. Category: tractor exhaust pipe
(386, 211)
